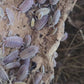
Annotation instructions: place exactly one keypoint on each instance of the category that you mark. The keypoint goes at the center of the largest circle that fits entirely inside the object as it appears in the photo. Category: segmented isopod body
(26, 5)
(56, 17)
(3, 74)
(11, 57)
(41, 23)
(10, 15)
(29, 52)
(12, 65)
(13, 42)
(42, 12)
(27, 40)
(53, 2)
(23, 71)
(41, 1)
(38, 78)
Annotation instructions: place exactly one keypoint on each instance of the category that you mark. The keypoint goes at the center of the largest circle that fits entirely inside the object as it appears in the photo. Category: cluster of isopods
(43, 12)
(18, 63)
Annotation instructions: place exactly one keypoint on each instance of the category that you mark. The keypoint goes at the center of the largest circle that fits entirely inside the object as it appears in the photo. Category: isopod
(23, 71)
(29, 52)
(10, 15)
(26, 5)
(11, 57)
(32, 22)
(41, 23)
(65, 36)
(27, 40)
(53, 2)
(37, 78)
(42, 12)
(56, 17)
(3, 74)
(13, 42)
(12, 65)
(1, 13)
(41, 1)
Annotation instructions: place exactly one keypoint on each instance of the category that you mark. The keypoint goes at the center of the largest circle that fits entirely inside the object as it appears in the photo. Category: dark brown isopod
(11, 57)
(29, 52)
(41, 23)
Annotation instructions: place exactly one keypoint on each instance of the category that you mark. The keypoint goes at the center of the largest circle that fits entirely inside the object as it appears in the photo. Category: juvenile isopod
(3, 74)
(11, 57)
(12, 65)
(38, 77)
(42, 12)
(65, 36)
(26, 5)
(41, 1)
(53, 2)
(32, 22)
(10, 15)
(27, 40)
(23, 71)
(41, 23)
(13, 42)
(56, 17)
(29, 52)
